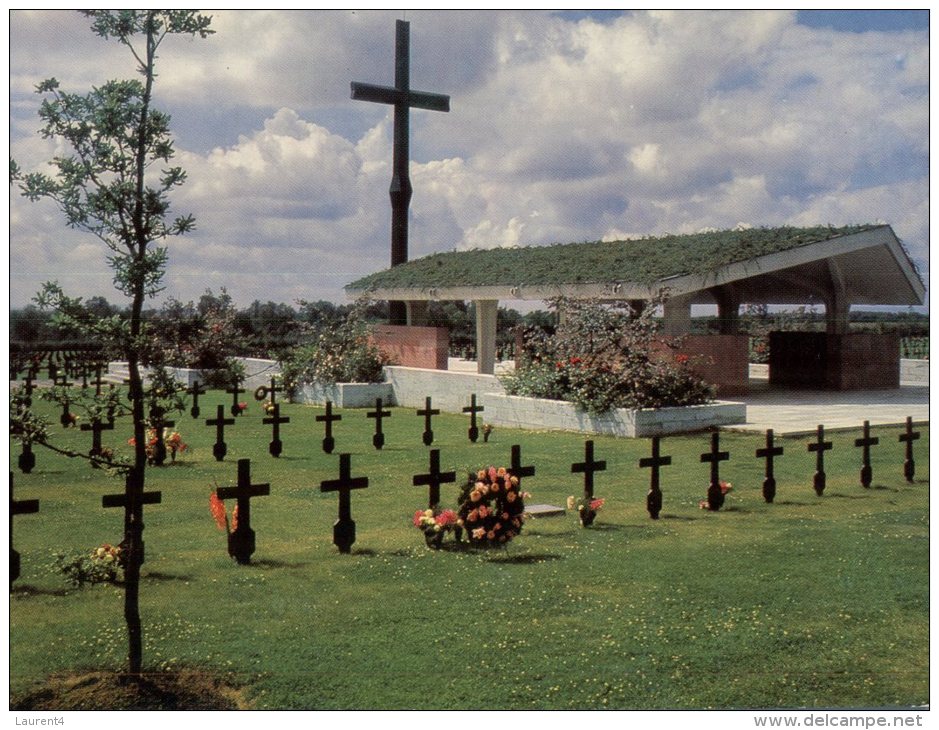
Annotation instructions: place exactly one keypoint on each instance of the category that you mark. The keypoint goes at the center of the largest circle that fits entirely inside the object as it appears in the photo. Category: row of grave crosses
(242, 540)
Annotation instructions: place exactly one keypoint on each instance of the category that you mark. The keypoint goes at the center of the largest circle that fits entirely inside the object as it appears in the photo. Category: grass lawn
(808, 602)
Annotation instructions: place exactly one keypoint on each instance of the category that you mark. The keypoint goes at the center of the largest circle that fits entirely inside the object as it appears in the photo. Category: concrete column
(728, 311)
(837, 305)
(677, 316)
(416, 313)
(486, 313)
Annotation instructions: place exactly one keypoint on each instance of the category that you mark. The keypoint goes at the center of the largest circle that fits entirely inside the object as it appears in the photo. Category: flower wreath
(491, 507)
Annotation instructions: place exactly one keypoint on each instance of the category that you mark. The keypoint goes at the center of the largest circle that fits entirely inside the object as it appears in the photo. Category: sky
(564, 127)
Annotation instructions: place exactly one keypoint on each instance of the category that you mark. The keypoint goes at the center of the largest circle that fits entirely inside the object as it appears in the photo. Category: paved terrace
(790, 411)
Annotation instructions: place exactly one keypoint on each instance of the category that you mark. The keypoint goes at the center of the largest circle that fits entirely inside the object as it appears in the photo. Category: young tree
(115, 185)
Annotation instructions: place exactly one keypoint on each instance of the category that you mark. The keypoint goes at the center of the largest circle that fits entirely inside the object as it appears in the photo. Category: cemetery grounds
(807, 602)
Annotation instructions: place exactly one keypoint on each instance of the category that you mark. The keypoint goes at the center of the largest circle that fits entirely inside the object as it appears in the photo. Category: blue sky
(563, 127)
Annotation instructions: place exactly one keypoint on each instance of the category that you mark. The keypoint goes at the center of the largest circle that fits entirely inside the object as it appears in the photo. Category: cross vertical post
(428, 413)
(18, 507)
(434, 478)
(714, 457)
(588, 467)
(867, 473)
(158, 424)
(329, 443)
(819, 447)
(241, 542)
(473, 409)
(96, 427)
(378, 440)
(132, 500)
(909, 466)
(276, 447)
(769, 482)
(344, 527)
(654, 497)
(403, 98)
(235, 390)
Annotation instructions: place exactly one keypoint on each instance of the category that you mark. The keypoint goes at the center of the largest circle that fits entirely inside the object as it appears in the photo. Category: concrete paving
(789, 411)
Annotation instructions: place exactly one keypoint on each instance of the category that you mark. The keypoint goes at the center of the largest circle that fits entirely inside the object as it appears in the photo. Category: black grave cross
(428, 413)
(195, 391)
(98, 382)
(27, 459)
(403, 98)
(770, 451)
(28, 387)
(909, 466)
(654, 497)
(276, 447)
(344, 527)
(18, 507)
(819, 447)
(157, 423)
(378, 440)
(867, 473)
(66, 418)
(235, 391)
(329, 443)
(434, 478)
(473, 409)
(714, 457)
(220, 448)
(96, 427)
(588, 467)
(263, 391)
(515, 467)
(132, 500)
(241, 541)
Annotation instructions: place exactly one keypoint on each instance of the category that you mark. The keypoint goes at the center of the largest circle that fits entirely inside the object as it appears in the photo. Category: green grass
(808, 602)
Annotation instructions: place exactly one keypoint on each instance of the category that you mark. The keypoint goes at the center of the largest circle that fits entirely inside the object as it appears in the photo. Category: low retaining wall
(345, 395)
(552, 415)
(914, 372)
(257, 372)
(451, 391)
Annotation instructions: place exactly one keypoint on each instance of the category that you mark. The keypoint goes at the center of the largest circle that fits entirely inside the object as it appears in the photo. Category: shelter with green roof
(837, 267)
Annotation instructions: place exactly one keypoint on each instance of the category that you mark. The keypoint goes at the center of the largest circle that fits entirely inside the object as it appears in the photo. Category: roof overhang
(868, 267)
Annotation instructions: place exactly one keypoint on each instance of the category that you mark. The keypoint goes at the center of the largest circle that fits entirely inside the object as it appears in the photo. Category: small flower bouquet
(435, 523)
(491, 507)
(725, 488)
(586, 509)
(268, 407)
(102, 565)
(174, 443)
(217, 508)
(242, 407)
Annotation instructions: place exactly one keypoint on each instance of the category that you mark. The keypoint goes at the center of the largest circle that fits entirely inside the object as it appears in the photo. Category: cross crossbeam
(434, 478)
(865, 443)
(18, 507)
(378, 440)
(344, 527)
(276, 447)
(428, 413)
(908, 437)
(770, 451)
(220, 448)
(473, 409)
(654, 497)
(819, 447)
(241, 542)
(195, 391)
(714, 457)
(588, 467)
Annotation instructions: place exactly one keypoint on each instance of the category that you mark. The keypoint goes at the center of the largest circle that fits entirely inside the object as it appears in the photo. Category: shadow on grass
(680, 518)
(523, 559)
(790, 503)
(268, 563)
(838, 495)
(164, 577)
(28, 590)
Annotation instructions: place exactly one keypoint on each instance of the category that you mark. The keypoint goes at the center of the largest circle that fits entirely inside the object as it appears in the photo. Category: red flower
(447, 517)
(681, 359)
(217, 507)
(417, 517)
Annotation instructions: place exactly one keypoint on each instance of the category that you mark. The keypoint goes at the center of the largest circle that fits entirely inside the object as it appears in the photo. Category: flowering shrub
(601, 358)
(340, 354)
(435, 523)
(491, 507)
(101, 565)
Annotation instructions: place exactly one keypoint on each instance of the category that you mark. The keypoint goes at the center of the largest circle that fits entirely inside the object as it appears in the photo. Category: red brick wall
(721, 360)
(416, 347)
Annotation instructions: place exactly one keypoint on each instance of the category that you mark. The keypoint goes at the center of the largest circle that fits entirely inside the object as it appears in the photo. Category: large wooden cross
(654, 497)
(344, 527)
(769, 482)
(434, 478)
(867, 473)
(403, 98)
(241, 541)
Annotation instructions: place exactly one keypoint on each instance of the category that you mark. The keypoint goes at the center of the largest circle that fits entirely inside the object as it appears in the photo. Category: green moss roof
(642, 261)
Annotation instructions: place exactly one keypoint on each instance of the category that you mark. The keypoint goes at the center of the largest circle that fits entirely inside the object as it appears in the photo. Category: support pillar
(728, 311)
(677, 316)
(486, 313)
(837, 306)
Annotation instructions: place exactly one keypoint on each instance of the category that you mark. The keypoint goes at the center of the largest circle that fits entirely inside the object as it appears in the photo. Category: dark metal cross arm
(390, 95)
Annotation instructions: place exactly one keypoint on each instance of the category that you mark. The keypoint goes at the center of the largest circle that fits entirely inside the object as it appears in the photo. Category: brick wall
(416, 347)
(721, 360)
(851, 361)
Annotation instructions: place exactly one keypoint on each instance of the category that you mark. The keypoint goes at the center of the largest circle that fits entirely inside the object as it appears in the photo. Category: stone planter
(345, 395)
(552, 415)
